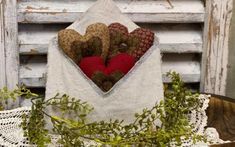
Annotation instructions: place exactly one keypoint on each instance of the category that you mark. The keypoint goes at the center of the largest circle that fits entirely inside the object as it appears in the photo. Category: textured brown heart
(72, 43)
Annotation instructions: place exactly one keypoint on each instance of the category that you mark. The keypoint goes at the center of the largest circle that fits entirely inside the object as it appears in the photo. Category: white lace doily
(199, 120)
(11, 134)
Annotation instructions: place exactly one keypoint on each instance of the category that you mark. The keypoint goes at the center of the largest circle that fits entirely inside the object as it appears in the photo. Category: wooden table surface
(221, 115)
(225, 145)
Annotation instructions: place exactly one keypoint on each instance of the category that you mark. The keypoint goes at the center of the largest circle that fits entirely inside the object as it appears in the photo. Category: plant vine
(172, 112)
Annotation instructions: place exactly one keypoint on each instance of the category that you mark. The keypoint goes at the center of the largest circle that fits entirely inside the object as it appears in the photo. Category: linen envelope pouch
(140, 85)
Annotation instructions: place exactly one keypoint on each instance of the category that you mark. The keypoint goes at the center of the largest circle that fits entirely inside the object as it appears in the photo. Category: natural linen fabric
(141, 88)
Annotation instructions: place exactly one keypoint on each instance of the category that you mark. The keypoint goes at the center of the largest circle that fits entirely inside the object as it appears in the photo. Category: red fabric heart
(90, 65)
(122, 62)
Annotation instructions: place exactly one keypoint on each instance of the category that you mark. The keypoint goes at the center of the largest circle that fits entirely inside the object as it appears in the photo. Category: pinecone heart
(136, 43)
(146, 37)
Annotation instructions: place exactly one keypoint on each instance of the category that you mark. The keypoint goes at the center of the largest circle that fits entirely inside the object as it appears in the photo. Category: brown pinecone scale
(146, 41)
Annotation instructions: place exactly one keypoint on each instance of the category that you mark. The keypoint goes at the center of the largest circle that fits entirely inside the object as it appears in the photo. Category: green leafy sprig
(6, 94)
(172, 112)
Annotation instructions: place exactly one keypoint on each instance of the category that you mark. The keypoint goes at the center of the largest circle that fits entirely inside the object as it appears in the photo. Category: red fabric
(122, 62)
(90, 65)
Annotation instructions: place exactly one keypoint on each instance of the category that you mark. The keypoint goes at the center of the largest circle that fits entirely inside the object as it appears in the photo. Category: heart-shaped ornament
(105, 53)
(98, 31)
(136, 43)
(105, 76)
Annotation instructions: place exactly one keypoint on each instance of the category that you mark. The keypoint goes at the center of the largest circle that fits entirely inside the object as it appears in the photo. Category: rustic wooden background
(221, 116)
(230, 90)
(193, 37)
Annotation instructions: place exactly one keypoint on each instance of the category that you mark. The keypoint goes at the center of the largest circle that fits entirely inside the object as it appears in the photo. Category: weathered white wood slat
(43, 11)
(9, 56)
(2, 48)
(180, 38)
(215, 55)
(186, 65)
(33, 69)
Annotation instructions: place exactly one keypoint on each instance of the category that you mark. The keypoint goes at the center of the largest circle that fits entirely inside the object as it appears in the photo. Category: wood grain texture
(2, 48)
(221, 115)
(232, 144)
(231, 66)
(180, 11)
(215, 50)
(9, 47)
